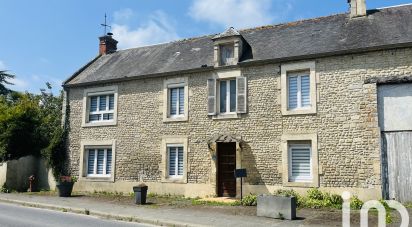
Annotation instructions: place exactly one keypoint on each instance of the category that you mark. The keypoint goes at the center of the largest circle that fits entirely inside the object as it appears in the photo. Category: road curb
(109, 216)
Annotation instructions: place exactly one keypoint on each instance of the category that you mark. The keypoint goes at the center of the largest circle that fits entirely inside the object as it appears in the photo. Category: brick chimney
(107, 44)
(357, 8)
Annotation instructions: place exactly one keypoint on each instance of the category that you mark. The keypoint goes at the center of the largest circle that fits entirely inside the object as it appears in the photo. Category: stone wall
(346, 123)
(14, 174)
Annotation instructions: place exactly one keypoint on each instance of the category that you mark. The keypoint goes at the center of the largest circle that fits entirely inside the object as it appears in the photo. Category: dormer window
(228, 48)
(227, 54)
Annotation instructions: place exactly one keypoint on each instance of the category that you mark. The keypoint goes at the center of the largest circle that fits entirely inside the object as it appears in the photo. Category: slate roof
(228, 33)
(336, 34)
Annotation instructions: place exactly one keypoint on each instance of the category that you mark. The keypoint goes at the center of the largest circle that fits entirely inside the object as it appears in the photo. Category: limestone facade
(344, 123)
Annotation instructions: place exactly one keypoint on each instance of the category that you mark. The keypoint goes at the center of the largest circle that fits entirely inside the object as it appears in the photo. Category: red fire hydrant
(31, 183)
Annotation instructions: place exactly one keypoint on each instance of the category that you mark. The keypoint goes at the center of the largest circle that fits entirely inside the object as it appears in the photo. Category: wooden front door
(226, 181)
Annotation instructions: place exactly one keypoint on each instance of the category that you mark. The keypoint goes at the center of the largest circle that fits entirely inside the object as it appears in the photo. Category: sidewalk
(157, 216)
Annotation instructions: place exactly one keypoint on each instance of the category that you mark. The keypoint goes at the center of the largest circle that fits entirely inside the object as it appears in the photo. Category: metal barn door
(395, 121)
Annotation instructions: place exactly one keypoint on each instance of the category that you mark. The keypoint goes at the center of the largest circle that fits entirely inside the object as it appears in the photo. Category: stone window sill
(300, 184)
(175, 180)
(226, 116)
(97, 179)
(177, 119)
(299, 112)
(99, 124)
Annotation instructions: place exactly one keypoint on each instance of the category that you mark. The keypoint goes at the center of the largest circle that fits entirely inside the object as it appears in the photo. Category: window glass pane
(93, 103)
(305, 91)
(107, 116)
(181, 100)
(300, 162)
(173, 101)
(226, 54)
(292, 92)
(100, 161)
(102, 103)
(172, 161)
(233, 96)
(111, 102)
(90, 162)
(180, 161)
(95, 117)
(222, 96)
(109, 161)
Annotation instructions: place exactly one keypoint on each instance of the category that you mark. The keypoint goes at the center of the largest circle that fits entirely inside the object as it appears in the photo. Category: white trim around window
(97, 112)
(99, 165)
(300, 162)
(174, 171)
(175, 160)
(303, 99)
(227, 103)
(234, 98)
(299, 175)
(175, 99)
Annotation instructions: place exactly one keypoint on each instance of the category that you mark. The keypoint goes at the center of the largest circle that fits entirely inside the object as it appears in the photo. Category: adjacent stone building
(294, 104)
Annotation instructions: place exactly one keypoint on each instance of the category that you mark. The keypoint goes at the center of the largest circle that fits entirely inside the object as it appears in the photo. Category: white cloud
(158, 29)
(2, 65)
(239, 13)
(123, 15)
(18, 84)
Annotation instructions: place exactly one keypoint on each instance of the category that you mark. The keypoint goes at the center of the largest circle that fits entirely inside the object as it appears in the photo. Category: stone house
(294, 104)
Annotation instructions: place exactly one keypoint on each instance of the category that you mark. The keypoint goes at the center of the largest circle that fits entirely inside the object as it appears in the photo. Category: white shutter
(211, 102)
(300, 163)
(241, 89)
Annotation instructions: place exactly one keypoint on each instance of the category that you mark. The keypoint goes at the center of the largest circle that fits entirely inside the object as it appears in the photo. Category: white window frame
(83, 165)
(300, 179)
(98, 111)
(299, 76)
(176, 175)
(99, 91)
(292, 68)
(95, 150)
(292, 139)
(175, 140)
(227, 96)
(170, 87)
(227, 61)
(168, 84)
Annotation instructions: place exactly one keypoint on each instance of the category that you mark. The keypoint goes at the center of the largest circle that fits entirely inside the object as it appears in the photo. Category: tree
(19, 127)
(4, 77)
(29, 124)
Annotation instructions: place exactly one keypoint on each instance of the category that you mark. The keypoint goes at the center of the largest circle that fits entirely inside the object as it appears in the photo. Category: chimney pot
(107, 44)
(357, 8)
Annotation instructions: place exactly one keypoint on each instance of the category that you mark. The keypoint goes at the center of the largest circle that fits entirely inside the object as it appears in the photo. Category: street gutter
(108, 216)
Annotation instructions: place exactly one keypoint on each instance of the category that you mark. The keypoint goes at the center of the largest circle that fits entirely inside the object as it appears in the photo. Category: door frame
(218, 175)
(213, 148)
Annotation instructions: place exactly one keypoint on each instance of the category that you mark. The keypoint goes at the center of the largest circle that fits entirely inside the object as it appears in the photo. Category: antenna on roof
(105, 25)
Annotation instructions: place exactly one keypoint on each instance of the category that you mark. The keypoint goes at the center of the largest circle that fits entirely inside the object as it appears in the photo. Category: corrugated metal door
(395, 121)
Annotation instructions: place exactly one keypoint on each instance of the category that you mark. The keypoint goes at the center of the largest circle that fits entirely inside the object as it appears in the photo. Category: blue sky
(48, 40)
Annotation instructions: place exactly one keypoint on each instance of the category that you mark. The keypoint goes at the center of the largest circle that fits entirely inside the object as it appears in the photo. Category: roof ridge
(395, 6)
(269, 26)
(291, 22)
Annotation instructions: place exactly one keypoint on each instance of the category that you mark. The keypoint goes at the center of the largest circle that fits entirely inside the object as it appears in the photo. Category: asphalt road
(16, 215)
